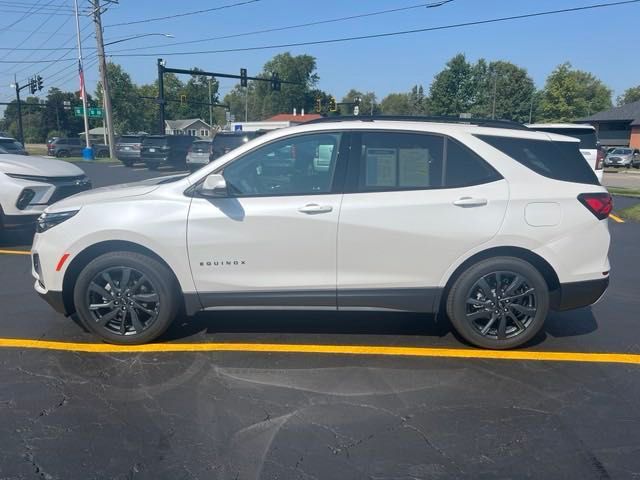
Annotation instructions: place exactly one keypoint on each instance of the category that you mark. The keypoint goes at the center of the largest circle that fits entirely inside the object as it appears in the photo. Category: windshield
(10, 144)
(130, 139)
(230, 141)
(587, 136)
(622, 151)
(155, 141)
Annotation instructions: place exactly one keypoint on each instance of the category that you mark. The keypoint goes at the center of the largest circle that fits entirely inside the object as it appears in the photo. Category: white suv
(479, 220)
(29, 184)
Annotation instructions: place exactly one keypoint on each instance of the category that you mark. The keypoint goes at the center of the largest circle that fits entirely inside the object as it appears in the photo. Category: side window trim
(337, 182)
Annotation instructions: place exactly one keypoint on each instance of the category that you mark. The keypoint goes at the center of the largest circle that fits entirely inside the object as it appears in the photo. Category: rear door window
(391, 161)
(557, 160)
(130, 139)
(155, 141)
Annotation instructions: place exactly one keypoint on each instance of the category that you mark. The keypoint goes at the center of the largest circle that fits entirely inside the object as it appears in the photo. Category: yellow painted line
(616, 218)
(628, 358)
(15, 252)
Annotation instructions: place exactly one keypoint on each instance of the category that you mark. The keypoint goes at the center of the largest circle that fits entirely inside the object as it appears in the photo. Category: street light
(168, 35)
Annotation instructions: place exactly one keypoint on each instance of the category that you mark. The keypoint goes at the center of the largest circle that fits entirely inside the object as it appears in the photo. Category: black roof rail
(481, 122)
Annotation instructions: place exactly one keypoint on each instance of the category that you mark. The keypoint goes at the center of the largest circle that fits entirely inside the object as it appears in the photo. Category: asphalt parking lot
(295, 398)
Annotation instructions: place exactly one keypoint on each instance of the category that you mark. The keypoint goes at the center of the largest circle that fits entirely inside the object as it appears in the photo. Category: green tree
(263, 103)
(630, 95)
(453, 90)
(571, 94)
(514, 91)
(125, 100)
(396, 104)
(368, 105)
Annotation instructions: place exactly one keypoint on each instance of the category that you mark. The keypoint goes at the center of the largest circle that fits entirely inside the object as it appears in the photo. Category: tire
(127, 163)
(521, 322)
(142, 321)
(152, 166)
(102, 154)
(62, 154)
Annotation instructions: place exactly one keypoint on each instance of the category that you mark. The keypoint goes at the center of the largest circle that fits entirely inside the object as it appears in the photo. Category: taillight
(600, 204)
(600, 160)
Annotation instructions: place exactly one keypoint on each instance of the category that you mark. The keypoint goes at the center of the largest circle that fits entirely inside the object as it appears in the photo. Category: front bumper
(578, 294)
(19, 221)
(54, 299)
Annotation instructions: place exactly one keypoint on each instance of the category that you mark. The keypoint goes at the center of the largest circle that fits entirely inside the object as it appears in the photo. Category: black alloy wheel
(499, 303)
(122, 300)
(126, 297)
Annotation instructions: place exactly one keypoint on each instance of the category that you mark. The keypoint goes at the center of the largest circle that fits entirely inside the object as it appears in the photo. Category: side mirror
(214, 186)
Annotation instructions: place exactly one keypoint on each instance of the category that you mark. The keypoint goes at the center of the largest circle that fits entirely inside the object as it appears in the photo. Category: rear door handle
(313, 208)
(470, 202)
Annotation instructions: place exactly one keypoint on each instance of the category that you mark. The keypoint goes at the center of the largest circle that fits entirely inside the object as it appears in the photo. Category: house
(282, 120)
(619, 126)
(195, 127)
(97, 134)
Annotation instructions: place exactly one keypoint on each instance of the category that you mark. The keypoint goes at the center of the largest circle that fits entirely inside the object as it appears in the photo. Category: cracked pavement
(234, 415)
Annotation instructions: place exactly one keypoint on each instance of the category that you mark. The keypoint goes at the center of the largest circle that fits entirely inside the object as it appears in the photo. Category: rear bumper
(578, 294)
(127, 155)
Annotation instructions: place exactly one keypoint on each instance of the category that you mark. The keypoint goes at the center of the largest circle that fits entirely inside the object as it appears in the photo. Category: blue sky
(599, 41)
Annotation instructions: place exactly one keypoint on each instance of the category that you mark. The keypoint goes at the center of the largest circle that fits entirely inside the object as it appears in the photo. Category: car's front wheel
(499, 303)
(126, 297)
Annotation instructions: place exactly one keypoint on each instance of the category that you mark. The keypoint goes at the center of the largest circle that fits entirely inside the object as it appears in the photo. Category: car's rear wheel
(127, 163)
(126, 297)
(152, 165)
(62, 154)
(499, 303)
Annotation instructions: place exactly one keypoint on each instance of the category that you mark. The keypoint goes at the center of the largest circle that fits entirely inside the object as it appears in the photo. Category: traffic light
(333, 106)
(39, 82)
(243, 77)
(318, 104)
(275, 82)
(33, 86)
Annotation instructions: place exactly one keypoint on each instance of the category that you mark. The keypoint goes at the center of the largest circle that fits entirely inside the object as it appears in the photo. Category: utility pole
(87, 154)
(495, 91)
(20, 130)
(210, 106)
(106, 96)
(161, 101)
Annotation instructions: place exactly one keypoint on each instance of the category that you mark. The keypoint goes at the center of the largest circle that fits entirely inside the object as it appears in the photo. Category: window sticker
(381, 167)
(414, 167)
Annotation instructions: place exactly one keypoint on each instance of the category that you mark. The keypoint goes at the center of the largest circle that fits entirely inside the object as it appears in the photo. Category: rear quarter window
(557, 160)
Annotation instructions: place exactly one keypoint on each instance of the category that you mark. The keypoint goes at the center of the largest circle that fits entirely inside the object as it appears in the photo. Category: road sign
(93, 112)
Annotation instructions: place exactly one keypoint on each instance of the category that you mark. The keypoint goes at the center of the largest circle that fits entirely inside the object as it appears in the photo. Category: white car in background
(589, 145)
(28, 184)
(480, 220)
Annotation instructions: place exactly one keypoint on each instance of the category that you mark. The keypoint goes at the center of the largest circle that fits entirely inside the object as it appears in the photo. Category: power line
(300, 25)
(171, 17)
(42, 24)
(25, 15)
(382, 35)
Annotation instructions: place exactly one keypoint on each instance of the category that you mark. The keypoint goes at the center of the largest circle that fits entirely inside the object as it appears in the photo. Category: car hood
(111, 193)
(39, 166)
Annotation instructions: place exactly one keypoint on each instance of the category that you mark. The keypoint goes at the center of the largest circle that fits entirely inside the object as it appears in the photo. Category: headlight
(50, 220)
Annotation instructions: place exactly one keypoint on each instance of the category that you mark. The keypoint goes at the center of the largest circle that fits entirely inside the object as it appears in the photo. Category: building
(619, 126)
(195, 127)
(98, 134)
(282, 120)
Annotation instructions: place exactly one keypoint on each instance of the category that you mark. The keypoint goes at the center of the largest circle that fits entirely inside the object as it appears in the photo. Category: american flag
(81, 74)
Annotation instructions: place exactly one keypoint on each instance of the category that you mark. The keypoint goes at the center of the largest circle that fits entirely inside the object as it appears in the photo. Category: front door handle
(470, 202)
(313, 208)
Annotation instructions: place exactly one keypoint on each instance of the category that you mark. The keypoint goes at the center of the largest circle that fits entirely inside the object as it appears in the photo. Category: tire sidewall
(161, 278)
(456, 304)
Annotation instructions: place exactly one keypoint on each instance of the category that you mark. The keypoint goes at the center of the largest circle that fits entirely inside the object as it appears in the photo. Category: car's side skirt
(391, 299)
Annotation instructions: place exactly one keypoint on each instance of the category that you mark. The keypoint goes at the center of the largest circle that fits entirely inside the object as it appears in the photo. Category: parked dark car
(224, 142)
(72, 147)
(11, 145)
(165, 149)
(128, 149)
